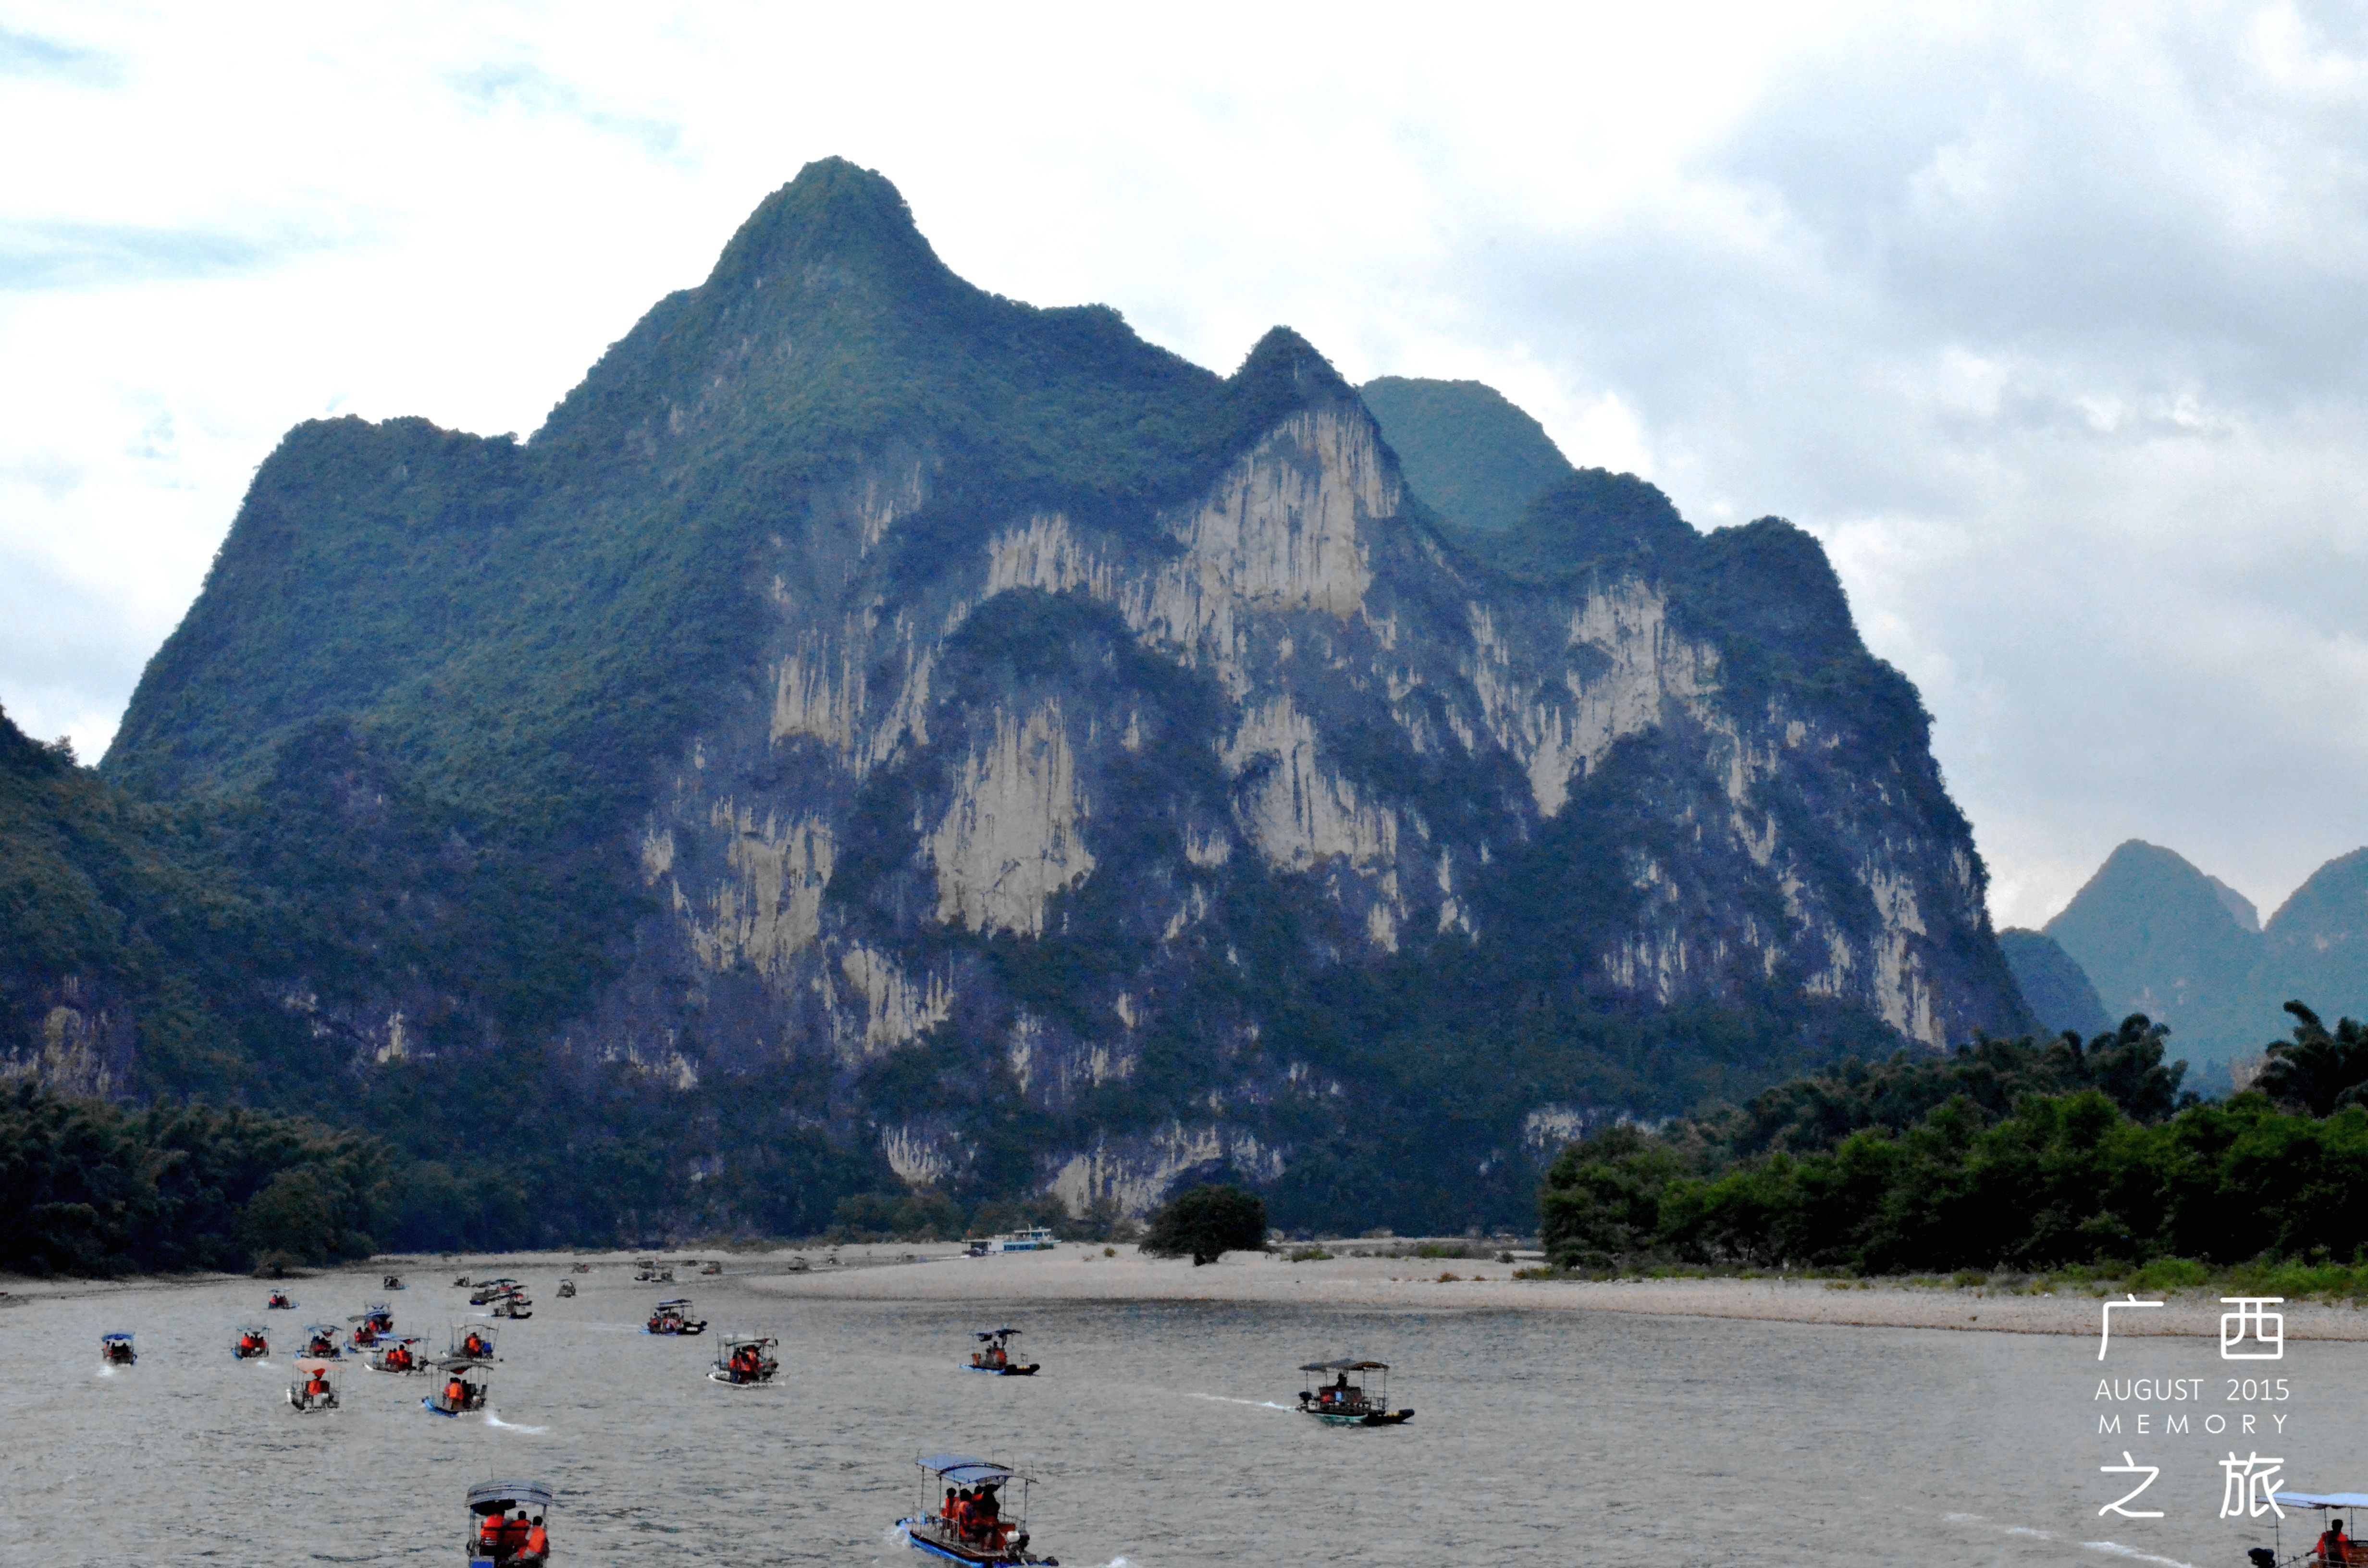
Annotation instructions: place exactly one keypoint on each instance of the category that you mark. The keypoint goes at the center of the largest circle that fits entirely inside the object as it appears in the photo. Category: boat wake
(494, 1420)
(2116, 1548)
(2110, 1548)
(1253, 1403)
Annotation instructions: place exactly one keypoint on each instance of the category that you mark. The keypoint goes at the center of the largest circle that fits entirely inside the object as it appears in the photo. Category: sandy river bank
(905, 1272)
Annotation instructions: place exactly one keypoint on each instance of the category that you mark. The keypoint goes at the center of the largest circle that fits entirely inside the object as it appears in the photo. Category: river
(1162, 1433)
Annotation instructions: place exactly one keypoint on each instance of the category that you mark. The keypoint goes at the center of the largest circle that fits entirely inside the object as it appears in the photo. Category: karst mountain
(880, 740)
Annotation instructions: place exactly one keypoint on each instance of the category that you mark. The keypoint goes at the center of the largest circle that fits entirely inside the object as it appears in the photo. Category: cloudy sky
(2049, 323)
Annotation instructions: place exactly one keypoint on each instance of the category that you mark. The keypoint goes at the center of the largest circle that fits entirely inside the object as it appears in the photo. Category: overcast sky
(2048, 324)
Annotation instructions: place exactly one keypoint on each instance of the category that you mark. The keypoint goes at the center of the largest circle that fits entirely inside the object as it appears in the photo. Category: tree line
(2023, 1154)
(90, 1187)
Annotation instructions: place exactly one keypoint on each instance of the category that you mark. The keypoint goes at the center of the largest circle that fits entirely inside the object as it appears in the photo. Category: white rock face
(1296, 811)
(914, 1157)
(770, 909)
(896, 1008)
(1282, 531)
(1560, 723)
(1013, 836)
(1134, 1174)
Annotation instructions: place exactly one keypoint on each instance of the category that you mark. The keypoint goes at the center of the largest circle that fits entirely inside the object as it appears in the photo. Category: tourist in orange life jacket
(537, 1548)
(946, 1508)
(515, 1530)
(2335, 1547)
(456, 1393)
(489, 1534)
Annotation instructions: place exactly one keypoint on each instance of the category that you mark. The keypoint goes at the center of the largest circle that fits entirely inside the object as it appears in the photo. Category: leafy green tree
(2318, 1069)
(1603, 1197)
(1205, 1222)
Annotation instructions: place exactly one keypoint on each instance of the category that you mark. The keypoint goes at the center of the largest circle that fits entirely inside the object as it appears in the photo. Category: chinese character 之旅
(2130, 1467)
(2251, 1486)
(2105, 1333)
(2252, 1324)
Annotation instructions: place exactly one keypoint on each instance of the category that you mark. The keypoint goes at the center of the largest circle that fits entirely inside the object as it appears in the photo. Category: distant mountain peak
(1473, 456)
(2240, 908)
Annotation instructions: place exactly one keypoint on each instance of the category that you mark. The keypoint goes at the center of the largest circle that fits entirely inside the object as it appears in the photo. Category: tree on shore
(1205, 1222)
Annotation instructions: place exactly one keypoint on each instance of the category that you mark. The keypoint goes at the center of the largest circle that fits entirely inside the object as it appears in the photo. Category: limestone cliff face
(1345, 651)
(1050, 768)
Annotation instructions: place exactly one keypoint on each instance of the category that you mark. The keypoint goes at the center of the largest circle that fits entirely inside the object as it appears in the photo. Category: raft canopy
(678, 1302)
(1345, 1366)
(311, 1364)
(2320, 1499)
(963, 1470)
(497, 1496)
(996, 1332)
(114, 1339)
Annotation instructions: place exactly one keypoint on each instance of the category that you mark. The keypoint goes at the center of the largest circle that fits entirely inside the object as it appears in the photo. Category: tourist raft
(746, 1362)
(314, 1392)
(509, 1524)
(674, 1318)
(993, 1355)
(965, 1517)
(1343, 1401)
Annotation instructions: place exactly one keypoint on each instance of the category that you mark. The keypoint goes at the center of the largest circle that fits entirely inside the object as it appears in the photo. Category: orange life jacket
(456, 1390)
(538, 1544)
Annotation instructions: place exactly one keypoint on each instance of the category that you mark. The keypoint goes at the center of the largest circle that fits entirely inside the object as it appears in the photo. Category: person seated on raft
(989, 1515)
(248, 1344)
(536, 1549)
(456, 1393)
(473, 1346)
(2334, 1545)
(489, 1535)
(318, 1387)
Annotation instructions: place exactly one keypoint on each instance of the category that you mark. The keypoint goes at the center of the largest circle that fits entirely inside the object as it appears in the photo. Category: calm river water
(1161, 1431)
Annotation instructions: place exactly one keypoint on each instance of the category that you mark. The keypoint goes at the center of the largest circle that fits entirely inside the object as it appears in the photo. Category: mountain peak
(838, 212)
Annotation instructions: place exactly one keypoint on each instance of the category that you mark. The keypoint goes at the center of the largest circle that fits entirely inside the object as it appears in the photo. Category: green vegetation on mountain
(122, 934)
(1473, 457)
(2013, 1155)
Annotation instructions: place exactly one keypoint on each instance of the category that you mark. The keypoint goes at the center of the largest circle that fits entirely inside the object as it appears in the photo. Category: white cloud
(2044, 318)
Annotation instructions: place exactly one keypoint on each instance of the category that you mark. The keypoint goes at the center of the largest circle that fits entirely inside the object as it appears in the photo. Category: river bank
(940, 1272)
